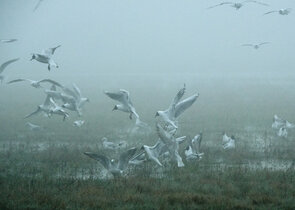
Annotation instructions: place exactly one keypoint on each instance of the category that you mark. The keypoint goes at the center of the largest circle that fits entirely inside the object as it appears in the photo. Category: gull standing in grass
(228, 142)
(124, 98)
(78, 123)
(237, 5)
(172, 145)
(176, 108)
(36, 84)
(192, 152)
(116, 168)
(279, 122)
(255, 46)
(4, 66)
(46, 57)
(285, 11)
(282, 132)
(8, 40)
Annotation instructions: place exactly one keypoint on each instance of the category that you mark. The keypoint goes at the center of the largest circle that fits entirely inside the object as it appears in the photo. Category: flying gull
(114, 167)
(46, 57)
(124, 98)
(192, 152)
(280, 12)
(171, 143)
(255, 46)
(237, 5)
(177, 107)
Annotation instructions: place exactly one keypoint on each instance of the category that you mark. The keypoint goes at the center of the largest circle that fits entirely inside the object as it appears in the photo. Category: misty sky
(143, 37)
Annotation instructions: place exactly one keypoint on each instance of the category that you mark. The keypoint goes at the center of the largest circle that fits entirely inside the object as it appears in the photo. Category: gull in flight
(279, 122)
(282, 132)
(255, 46)
(285, 11)
(38, 5)
(33, 127)
(58, 110)
(237, 5)
(177, 107)
(126, 105)
(76, 94)
(36, 84)
(3, 67)
(45, 108)
(152, 153)
(46, 57)
(8, 40)
(78, 123)
(228, 142)
(114, 167)
(192, 152)
(172, 145)
(49, 107)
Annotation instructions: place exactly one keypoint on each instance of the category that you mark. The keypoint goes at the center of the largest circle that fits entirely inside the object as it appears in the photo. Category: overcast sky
(147, 37)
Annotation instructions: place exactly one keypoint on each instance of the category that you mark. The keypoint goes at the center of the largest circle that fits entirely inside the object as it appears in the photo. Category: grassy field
(48, 170)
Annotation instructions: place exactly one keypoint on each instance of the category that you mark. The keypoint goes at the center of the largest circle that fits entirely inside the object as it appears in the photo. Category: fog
(152, 49)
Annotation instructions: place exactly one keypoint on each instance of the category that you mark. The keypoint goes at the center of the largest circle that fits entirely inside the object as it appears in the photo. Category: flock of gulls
(60, 100)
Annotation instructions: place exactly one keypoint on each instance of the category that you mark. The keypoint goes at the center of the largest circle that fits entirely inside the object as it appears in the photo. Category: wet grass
(47, 169)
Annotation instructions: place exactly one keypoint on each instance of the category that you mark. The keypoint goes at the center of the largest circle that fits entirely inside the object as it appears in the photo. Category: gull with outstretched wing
(36, 84)
(255, 46)
(285, 11)
(46, 57)
(237, 5)
(114, 167)
(126, 105)
(4, 66)
(176, 108)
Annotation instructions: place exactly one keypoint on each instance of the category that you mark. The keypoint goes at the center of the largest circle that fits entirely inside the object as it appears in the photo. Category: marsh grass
(47, 169)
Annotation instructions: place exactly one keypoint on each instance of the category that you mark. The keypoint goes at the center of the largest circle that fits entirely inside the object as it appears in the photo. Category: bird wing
(264, 43)
(270, 12)
(37, 5)
(196, 142)
(217, 5)
(33, 113)
(181, 139)
(17, 80)
(185, 104)
(47, 101)
(256, 2)
(8, 40)
(121, 96)
(247, 45)
(179, 95)
(4, 65)
(77, 90)
(53, 102)
(100, 158)
(125, 157)
(50, 51)
(164, 135)
(69, 92)
(51, 81)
